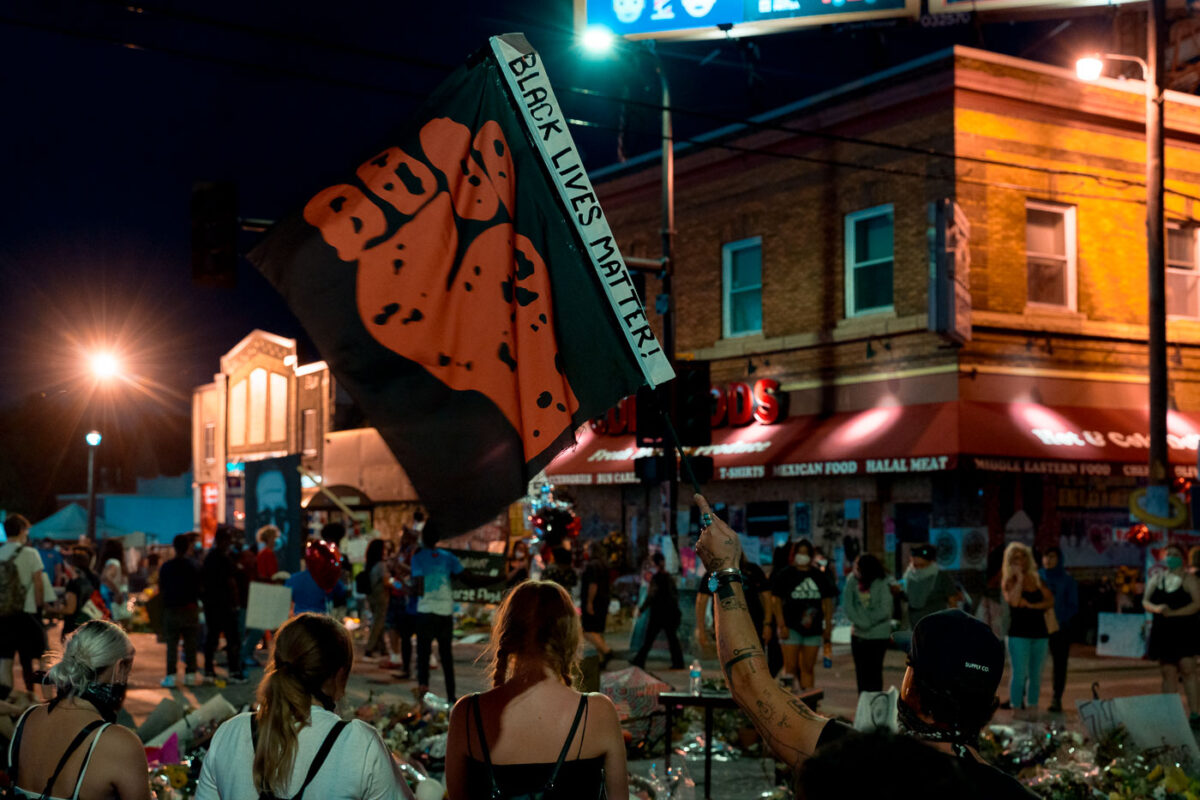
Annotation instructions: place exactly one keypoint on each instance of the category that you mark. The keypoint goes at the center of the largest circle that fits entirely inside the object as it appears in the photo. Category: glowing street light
(93, 438)
(105, 365)
(598, 39)
(1089, 68)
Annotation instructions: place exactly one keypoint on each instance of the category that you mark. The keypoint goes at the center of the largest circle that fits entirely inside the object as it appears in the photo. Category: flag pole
(683, 457)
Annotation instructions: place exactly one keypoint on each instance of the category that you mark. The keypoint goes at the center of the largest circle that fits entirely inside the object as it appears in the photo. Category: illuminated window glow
(257, 412)
(279, 407)
(237, 414)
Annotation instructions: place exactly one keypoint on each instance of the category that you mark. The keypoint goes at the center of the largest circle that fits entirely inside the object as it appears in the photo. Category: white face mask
(802, 560)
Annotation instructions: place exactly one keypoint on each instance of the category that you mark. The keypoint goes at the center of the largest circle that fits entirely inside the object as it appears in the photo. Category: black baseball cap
(953, 652)
(925, 550)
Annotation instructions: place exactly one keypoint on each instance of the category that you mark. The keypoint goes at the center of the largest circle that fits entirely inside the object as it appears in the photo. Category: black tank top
(581, 778)
(1028, 623)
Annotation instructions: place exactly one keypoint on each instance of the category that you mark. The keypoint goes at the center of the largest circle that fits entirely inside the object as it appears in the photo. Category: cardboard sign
(480, 563)
(1122, 635)
(268, 606)
(1152, 721)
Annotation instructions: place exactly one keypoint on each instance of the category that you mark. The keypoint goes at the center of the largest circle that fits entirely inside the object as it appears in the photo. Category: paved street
(731, 779)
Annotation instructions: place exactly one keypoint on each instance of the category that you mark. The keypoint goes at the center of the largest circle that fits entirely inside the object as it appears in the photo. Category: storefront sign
(957, 6)
(1124, 440)
(699, 19)
(734, 405)
(867, 466)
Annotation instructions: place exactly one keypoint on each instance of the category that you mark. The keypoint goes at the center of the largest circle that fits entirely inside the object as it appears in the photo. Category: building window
(279, 407)
(1050, 254)
(1183, 300)
(308, 431)
(742, 281)
(237, 414)
(256, 429)
(210, 442)
(869, 260)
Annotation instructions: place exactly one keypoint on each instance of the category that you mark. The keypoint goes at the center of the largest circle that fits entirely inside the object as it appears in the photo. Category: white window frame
(1068, 212)
(727, 251)
(851, 263)
(1195, 269)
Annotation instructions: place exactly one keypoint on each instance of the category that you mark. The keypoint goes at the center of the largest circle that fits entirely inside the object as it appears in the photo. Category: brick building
(942, 269)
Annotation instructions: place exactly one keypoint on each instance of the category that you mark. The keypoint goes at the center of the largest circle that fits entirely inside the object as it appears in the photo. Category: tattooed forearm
(732, 604)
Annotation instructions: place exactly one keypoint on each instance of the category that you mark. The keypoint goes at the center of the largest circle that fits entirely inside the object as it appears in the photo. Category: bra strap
(483, 748)
(71, 748)
(88, 760)
(562, 756)
(14, 746)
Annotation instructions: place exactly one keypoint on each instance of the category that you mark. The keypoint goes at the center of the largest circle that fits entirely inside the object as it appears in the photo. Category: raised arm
(789, 727)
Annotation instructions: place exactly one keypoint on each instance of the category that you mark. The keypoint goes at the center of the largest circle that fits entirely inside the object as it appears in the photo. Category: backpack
(313, 768)
(12, 591)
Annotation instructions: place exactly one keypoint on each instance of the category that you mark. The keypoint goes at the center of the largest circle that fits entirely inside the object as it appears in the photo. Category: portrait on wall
(273, 498)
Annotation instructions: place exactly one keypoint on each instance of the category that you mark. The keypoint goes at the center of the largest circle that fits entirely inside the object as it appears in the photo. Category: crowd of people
(768, 632)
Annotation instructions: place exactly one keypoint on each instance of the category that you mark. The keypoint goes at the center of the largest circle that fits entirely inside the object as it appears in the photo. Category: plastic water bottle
(828, 655)
(694, 677)
(658, 784)
(682, 787)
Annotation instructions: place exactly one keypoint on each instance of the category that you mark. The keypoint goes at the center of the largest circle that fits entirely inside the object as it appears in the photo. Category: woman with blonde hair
(295, 743)
(1028, 635)
(532, 732)
(69, 747)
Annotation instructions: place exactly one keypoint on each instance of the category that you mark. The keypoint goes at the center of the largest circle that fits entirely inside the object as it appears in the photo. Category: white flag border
(510, 48)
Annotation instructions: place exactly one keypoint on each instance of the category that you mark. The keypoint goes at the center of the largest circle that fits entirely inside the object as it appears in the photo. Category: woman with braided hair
(533, 734)
(295, 744)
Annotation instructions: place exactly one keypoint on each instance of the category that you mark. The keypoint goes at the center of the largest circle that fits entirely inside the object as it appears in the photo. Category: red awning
(1030, 437)
(741, 452)
(931, 437)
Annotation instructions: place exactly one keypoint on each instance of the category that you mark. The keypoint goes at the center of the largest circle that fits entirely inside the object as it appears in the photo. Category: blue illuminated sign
(638, 19)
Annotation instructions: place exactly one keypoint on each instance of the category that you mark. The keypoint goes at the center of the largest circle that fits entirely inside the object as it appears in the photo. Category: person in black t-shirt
(662, 603)
(595, 588)
(803, 597)
(221, 601)
(948, 693)
(179, 587)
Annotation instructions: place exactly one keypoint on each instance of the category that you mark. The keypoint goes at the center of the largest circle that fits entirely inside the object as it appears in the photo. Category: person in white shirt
(295, 745)
(21, 629)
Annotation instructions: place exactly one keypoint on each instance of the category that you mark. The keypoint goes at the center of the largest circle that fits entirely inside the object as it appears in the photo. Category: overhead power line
(694, 142)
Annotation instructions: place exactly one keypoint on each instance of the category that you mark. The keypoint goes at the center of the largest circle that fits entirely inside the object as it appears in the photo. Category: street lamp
(93, 441)
(1089, 68)
(599, 40)
(104, 365)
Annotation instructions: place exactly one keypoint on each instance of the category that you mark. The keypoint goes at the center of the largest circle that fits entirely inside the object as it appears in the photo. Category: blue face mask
(1174, 562)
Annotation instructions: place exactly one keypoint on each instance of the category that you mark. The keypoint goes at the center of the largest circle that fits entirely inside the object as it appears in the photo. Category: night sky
(110, 113)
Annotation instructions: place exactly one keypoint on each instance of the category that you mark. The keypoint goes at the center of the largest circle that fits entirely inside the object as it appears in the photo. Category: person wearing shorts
(803, 597)
(21, 631)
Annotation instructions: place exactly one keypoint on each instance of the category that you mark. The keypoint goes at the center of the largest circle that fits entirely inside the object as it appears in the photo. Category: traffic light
(651, 430)
(692, 406)
(655, 469)
(214, 234)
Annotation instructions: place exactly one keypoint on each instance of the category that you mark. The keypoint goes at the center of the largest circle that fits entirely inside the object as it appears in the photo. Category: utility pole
(1159, 480)
(667, 301)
